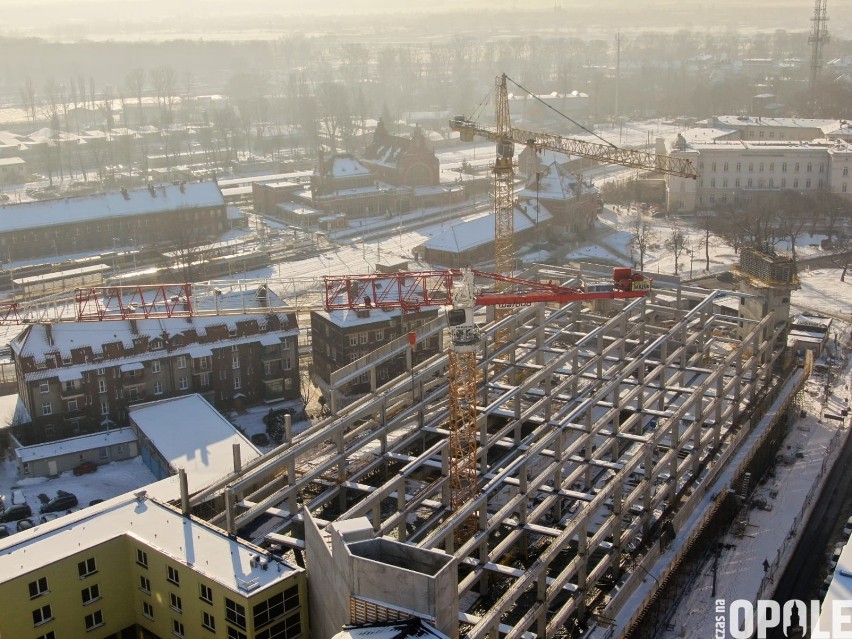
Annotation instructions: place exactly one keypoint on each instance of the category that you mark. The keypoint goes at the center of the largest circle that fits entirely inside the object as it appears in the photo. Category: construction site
(600, 427)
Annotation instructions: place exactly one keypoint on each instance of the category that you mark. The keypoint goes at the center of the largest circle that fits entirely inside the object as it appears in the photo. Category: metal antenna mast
(817, 39)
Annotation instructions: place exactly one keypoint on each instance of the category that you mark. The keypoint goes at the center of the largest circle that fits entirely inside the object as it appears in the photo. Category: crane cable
(552, 108)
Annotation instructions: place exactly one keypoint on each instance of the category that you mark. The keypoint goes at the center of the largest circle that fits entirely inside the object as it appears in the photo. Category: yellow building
(136, 567)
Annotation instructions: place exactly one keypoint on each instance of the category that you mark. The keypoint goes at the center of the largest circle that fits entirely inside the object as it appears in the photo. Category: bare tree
(307, 390)
(28, 98)
(135, 82)
(642, 238)
(676, 244)
(164, 80)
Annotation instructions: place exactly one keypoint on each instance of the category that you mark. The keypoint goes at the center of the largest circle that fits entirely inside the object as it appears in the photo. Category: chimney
(48, 329)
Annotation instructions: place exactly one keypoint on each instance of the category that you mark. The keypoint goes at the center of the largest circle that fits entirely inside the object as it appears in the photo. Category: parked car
(85, 468)
(95, 502)
(46, 517)
(25, 524)
(62, 501)
(16, 512)
(847, 529)
(4, 531)
(260, 439)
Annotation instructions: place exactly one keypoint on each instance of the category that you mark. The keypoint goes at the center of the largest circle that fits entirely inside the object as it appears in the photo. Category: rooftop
(75, 444)
(190, 434)
(189, 541)
(166, 198)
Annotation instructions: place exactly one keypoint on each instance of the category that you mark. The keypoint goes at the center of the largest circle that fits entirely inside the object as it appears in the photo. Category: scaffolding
(596, 436)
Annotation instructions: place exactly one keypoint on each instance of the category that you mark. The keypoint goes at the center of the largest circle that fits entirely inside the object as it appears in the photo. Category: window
(141, 557)
(821, 167)
(47, 635)
(205, 380)
(148, 610)
(771, 182)
(288, 383)
(273, 608)
(724, 183)
(181, 361)
(235, 613)
(807, 184)
(145, 584)
(290, 628)
(86, 568)
(749, 182)
(155, 366)
(235, 362)
(286, 364)
(158, 388)
(102, 388)
(363, 337)
(206, 594)
(796, 183)
(104, 407)
(183, 383)
(751, 167)
(175, 602)
(235, 634)
(810, 167)
(177, 628)
(42, 615)
(783, 183)
(46, 408)
(173, 576)
(90, 594)
(238, 384)
(783, 167)
(771, 166)
(38, 587)
(843, 189)
(712, 183)
(72, 405)
(737, 183)
(223, 374)
(797, 167)
(94, 620)
(845, 171)
(235, 348)
(760, 167)
(353, 340)
(739, 166)
(208, 621)
(204, 363)
(133, 394)
(725, 166)
(44, 387)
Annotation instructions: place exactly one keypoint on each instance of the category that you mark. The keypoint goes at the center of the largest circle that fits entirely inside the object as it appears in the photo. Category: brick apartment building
(340, 337)
(77, 377)
(179, 213)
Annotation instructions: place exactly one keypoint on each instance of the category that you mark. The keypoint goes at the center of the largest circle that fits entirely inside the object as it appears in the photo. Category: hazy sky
(222, 19)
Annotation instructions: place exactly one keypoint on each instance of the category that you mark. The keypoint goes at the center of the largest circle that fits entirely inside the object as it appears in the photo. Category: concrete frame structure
(599, 432)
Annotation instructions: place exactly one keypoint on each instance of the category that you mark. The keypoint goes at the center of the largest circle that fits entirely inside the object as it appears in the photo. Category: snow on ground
(115, 478)
(809, 448)
(250, 421)
(822, 291)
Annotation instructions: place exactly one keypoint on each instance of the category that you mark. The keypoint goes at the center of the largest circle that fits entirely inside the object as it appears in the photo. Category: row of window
(181, 360)
(761, 183)
(762, 165)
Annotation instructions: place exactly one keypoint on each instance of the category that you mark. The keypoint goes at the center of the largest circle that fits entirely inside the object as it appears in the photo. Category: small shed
(53, 458)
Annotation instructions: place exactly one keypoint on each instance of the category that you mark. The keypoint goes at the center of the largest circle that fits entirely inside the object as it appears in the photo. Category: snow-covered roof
(86, 208)
(738, 121)
(65, 336)
(11, 161)
(350, 318)
(706, 134)
(556, 183)
(468, 235)
(12, 411)
(73, 445)
(344, 165)
(190, 434)
(228, 561)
